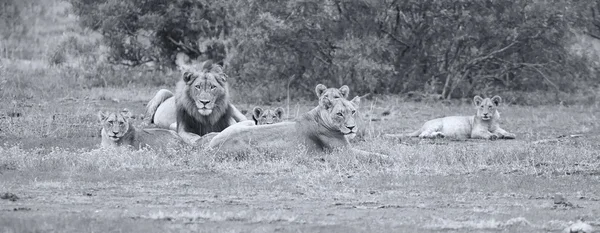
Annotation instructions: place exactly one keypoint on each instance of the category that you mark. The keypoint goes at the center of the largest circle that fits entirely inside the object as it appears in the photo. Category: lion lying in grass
(484, 125)
(267, 116)
(201, 104)
(323, 129)
(118, 131)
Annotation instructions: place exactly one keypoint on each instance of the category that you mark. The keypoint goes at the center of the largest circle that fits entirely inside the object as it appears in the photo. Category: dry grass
(472, 185)
(51, 161)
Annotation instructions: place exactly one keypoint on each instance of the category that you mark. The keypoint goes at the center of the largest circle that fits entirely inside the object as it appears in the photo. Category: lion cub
(267, 117)
(484, 125)
(118, 130)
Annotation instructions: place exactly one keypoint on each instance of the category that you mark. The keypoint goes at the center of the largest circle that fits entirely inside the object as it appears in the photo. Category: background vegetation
(426, 49)
(63, 61)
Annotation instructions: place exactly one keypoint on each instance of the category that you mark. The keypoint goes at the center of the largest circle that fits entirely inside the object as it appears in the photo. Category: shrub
(449, 48)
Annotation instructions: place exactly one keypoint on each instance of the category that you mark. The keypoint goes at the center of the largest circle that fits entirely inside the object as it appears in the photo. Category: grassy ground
(55, 179)
(50, 161)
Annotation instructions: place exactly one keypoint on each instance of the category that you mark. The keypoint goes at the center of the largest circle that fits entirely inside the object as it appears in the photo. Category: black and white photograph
(299, 116)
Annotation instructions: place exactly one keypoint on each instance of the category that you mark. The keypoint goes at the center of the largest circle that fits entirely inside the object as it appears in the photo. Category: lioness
(268, 116)
(484, 125)
(343, 92)
(117, 131)
(322, 129)
(162, 111)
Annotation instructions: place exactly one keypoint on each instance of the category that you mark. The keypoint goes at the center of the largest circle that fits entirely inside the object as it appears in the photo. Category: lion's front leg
(206, 139)
(189, 138)
(236, 114)
(431, 134)
(483, 134)
(221, 138)
(504, 134)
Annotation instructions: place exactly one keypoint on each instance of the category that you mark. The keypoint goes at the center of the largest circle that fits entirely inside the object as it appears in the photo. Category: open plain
(56, 179)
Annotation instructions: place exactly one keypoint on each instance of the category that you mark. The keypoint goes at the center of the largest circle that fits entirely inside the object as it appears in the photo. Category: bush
(450, 48)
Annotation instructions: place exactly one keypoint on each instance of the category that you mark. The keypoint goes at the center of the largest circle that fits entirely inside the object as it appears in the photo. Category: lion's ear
(216, 68)
(188, 77)
(345, 90)
(477, 100)
(320, 89)
(356, 100)
(496, 100)
(279, 112)
(256, 113)
(102, 116)
(222, 77)
(126, 113)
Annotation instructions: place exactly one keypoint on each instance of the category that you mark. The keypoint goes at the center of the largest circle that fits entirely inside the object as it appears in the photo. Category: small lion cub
(484, 125)
(268, 116)
(118, 130)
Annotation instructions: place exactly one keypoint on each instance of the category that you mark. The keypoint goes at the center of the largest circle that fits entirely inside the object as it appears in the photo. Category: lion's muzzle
(114, 136)
(204, 107)
(349, 131)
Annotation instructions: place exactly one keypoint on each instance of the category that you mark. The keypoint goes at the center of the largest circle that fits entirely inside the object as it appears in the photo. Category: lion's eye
(212, 87)
(198, 87)
(111, 122)
(121, 123)
(340, 114)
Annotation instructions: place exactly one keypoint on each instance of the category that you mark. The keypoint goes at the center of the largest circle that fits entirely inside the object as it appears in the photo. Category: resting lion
(268, 116)
(343, 92)
(484, 125)
(117, 131)
(322, 129)
(162, 111)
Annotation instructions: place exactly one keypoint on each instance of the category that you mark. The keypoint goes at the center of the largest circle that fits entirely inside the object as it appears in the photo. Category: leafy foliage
(449, 48)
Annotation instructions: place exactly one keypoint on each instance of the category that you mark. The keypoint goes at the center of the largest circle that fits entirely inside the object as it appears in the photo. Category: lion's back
(455, 126)
(157, 138)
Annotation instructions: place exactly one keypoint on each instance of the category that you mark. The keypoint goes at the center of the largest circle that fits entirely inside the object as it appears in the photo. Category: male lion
(268, 116)
(202, 103)
(322, 129)
(162, 111)
(117, 131)
(484, 125)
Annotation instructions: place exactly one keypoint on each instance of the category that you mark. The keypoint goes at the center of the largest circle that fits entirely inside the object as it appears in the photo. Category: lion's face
(487, 108)
(341, 115)
(115, 124)
(206, 89)
(266, 117)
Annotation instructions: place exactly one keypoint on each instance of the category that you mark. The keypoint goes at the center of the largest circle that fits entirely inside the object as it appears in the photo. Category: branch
(183, 46)
(543, 75)
(593, 35)
(491, 54)
(395, 38)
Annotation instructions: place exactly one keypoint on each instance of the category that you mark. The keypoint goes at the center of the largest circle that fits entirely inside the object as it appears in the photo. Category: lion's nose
(205, 102)
(351, 127)
(115, 132)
